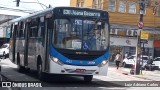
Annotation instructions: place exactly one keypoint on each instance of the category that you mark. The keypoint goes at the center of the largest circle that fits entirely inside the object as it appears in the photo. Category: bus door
(27, 25)
(48, 28)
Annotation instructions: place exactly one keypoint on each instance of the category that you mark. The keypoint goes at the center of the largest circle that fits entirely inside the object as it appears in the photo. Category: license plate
(80, 70)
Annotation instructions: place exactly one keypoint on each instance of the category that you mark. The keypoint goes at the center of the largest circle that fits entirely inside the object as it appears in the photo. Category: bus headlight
(104, 62)
(54, 59)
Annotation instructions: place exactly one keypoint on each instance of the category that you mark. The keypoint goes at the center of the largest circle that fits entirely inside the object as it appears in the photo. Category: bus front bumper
(55, 68)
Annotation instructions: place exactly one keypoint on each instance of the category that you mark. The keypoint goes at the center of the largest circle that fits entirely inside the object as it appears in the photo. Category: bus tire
(21, 69)
(88, 78)
(39, 72)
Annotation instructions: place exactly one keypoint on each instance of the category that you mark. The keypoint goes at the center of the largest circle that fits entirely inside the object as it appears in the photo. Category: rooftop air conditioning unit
(135, 32)
(113, 31)
(130, 33)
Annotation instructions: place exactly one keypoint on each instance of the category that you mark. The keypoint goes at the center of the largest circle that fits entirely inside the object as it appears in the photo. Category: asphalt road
(59, 82)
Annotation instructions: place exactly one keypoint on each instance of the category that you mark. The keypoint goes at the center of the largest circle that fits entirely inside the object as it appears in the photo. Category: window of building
(122, 6)
(78, 3)
(82, 3)
(144, 12)
(112, 5)
(94, 4)
(99, 4)
(132, 7)
(159, 10)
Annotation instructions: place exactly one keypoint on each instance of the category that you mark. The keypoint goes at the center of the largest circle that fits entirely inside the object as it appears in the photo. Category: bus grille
(81, 57)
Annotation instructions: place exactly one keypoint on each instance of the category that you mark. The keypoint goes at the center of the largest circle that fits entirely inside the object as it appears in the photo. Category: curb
(143, 78)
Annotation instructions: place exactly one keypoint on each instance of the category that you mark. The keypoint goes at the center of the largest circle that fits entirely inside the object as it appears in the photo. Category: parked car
(156, 62)
(131, 60)
(4, 50)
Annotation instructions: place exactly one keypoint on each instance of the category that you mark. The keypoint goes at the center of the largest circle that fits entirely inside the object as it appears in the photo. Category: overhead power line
(17, 10)
(41, 4)
(33, 2)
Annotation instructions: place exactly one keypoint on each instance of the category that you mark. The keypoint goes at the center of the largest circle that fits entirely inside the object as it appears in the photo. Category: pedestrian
(126, 55)
(118, 59)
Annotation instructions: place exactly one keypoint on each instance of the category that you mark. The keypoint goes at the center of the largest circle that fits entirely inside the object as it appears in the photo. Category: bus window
(78, 34)
(21, 32)
(34, 28)
(11, 34)
(16, 30)
(95, 35)
(62, 28)
(41, 30)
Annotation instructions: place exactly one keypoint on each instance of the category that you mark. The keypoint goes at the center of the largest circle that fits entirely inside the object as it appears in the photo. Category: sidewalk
(146, 75)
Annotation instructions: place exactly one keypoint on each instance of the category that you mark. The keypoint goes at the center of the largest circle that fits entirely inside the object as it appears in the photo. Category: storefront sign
(144, 35)
(128, 42)
(131, 42)
(156, 43)
(144, 41)
(157, 37)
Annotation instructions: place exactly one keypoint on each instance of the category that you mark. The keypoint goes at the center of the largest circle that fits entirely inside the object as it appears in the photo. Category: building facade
(124, 17)
(5, 28)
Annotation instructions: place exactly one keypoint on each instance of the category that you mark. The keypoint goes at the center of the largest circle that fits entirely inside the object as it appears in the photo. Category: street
(82, 38)
(10, 73)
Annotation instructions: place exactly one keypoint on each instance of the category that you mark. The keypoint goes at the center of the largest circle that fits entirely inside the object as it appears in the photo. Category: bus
(62, 40)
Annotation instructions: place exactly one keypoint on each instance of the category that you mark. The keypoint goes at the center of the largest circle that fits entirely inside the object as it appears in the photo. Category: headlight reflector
(54, 59)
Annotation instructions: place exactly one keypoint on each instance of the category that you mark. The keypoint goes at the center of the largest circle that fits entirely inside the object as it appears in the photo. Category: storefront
(156, 48)
(128, 45)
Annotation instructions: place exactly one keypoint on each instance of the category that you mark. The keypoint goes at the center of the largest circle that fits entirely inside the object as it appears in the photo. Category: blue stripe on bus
(68, 61)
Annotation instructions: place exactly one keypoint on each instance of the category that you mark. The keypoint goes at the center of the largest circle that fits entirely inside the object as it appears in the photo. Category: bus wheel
(21, 69)
(40, 73)
(88, 78)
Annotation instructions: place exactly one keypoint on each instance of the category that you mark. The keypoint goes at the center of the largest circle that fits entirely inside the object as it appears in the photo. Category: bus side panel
(42, 45)
(20, 49)
(32, 53)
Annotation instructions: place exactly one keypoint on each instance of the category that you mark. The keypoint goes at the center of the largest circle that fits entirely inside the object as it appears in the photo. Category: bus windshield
(80, 34)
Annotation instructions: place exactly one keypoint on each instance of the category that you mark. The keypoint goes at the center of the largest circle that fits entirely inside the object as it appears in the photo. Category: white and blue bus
(62, 40)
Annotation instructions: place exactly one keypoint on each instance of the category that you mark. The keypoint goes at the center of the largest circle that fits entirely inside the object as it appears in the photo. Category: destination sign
(81, 13)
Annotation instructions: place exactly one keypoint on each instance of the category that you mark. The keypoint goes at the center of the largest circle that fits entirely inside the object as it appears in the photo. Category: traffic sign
(140, 24)
(144, 41)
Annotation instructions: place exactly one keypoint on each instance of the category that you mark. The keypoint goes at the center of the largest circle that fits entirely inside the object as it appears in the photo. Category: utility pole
(138, 47)
(17, 4)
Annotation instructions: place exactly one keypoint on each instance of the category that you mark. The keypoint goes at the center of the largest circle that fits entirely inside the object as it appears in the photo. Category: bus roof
(50, 10)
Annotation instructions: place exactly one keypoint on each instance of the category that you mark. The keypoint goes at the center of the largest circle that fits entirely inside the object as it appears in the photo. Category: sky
(30, 6)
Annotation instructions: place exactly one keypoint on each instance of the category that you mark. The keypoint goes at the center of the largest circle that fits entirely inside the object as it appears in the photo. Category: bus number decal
(69, 61)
